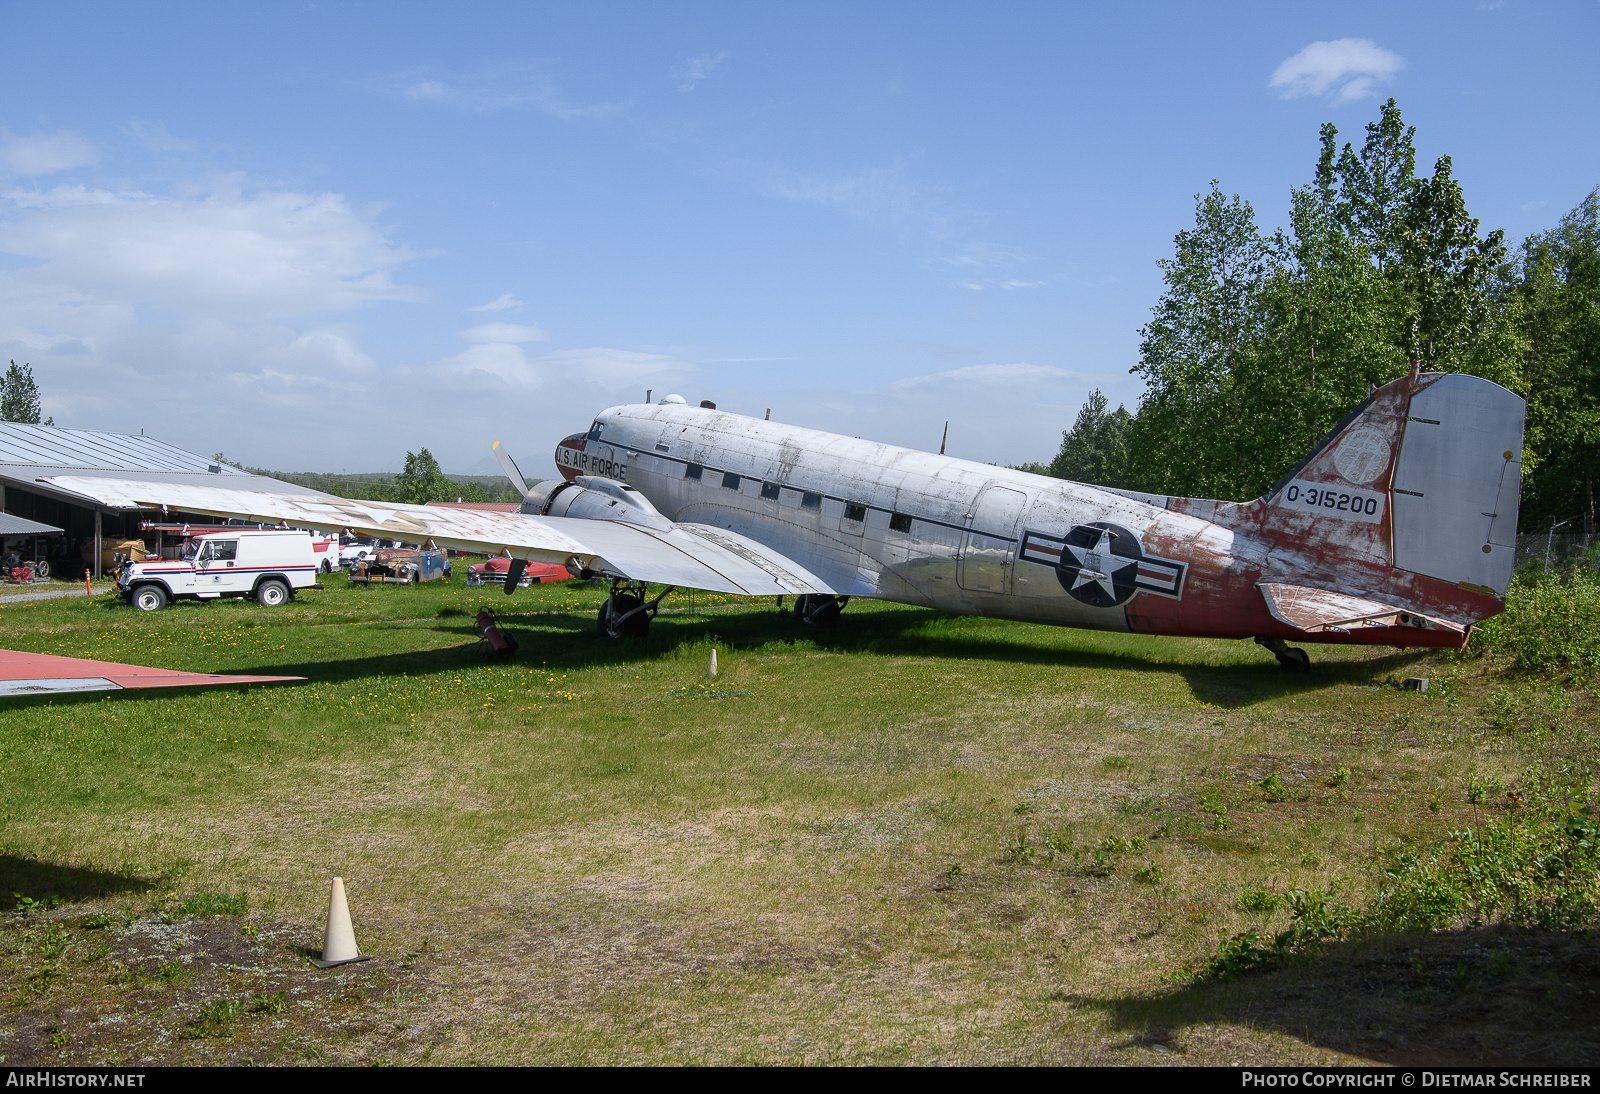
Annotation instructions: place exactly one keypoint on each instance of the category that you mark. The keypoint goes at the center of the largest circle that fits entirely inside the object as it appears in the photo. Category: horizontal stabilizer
(1320, 615)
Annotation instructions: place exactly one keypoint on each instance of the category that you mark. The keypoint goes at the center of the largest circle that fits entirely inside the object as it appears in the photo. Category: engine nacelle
(591, 498)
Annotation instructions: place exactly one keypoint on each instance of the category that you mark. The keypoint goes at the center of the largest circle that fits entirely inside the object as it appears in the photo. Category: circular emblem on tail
(1362, 456)
(1100, 564)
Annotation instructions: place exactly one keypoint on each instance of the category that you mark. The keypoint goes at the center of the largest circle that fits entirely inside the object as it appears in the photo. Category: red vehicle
(493, 571)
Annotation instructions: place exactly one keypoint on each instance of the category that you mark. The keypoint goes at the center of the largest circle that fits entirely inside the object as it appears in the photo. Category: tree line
(419, 482)
(1262, 342)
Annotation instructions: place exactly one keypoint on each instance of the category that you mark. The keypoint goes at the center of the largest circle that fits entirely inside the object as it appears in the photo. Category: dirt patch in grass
(111, 988)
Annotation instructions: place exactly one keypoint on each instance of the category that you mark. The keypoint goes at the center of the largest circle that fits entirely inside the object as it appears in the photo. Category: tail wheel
(615, 622)
(149, 598)
(1290, 658)
(271, 594)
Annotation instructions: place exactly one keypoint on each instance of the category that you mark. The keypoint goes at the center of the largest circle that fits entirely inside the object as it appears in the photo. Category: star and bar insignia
(1103, 564)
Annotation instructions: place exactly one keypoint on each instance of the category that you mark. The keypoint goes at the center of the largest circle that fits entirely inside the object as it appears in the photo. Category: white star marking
(1097, 565)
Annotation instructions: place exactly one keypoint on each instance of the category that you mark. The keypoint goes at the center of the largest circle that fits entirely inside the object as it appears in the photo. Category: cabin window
(811, 500)
(769, 491)
(855, 512)
(662, 448)
(692, 471)
(730, 481)
(900, 522)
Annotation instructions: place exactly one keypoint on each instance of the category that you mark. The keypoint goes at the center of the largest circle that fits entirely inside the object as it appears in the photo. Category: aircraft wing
(689, 555)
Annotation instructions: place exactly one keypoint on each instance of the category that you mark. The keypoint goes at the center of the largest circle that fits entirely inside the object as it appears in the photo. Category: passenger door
(988, 547)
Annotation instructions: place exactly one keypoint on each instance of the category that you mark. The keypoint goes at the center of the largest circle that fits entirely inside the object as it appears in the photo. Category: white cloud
(992, 378)
(695, 69)
(877, 194)
(511, 87)
(223, 254)
(510, 369)
(1344, 70)
(502, 302)
(45, 153)
(1003, 413)
(154, 135)
(505, 332)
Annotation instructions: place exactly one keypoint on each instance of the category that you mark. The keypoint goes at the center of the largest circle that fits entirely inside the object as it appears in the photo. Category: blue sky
(317, 236)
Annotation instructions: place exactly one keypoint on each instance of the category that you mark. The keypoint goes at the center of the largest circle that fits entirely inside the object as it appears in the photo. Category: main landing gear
(819, 609)
(1290, 659)
(626, 613)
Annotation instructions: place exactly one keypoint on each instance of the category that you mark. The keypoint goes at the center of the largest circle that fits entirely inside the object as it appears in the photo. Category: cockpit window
(594, 431)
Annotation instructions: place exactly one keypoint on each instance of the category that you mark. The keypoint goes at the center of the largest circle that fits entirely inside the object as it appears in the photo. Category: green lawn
(911, 838)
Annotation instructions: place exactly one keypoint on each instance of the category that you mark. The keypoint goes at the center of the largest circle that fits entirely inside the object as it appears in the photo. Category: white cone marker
(711, 666)
(339, 940)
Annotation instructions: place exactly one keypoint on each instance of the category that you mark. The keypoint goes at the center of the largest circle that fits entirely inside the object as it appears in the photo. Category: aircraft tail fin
(1413, 497)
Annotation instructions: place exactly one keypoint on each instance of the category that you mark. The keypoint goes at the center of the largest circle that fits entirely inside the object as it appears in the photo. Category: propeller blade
(514, 574)
(509, 466)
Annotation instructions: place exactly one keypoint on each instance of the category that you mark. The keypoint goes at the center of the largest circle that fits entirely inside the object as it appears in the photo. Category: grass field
(912, 838)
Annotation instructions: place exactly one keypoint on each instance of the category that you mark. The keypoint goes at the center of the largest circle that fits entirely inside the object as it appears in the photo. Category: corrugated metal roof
(88, 448)
(25, 475)
(19, 526)
(30, 452)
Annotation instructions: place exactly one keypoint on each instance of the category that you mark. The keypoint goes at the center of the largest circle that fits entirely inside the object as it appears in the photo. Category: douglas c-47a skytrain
(1398, 529)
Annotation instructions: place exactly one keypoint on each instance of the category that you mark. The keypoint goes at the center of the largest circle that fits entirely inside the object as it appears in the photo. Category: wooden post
(97, 544)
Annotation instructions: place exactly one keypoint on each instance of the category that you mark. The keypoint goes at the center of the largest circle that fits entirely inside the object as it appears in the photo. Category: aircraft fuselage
(880, 521)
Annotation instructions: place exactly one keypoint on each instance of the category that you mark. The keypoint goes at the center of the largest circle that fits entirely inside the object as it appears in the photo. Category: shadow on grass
(1492, 996)
(569, 640)
(34, 879)
(935, 634)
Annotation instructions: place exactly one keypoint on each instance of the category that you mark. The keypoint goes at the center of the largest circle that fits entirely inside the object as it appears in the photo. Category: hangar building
(29, 453)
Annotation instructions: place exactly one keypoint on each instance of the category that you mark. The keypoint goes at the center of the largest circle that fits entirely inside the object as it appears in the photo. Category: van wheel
(270, 594)
(149, 598)
(327, 567)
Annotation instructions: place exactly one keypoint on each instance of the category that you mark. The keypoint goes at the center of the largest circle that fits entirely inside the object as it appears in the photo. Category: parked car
(355, 548)
(492, 571)
(401, 566)
(326, 551)
(269, 567)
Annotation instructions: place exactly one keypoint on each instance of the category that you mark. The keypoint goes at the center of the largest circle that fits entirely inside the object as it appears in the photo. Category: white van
(268, 566)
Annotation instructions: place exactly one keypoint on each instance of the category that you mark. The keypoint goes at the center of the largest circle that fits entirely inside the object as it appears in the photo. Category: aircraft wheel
(817, 609)
(149, 598)
(613, 625)
(41, 570)
(1290, 659)
(271, 594)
